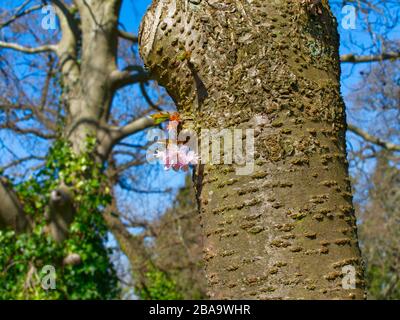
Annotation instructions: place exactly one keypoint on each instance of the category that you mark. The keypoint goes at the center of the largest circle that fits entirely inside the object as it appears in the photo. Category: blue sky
(132, 12)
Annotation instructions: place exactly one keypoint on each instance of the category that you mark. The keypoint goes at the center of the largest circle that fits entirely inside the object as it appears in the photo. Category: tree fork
(287, 230)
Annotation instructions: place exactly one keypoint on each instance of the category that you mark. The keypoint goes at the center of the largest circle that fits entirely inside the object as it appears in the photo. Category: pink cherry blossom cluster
(177, 157)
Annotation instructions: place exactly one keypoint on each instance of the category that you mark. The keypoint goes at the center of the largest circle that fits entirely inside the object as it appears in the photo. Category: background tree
(379, 231)
(177, 247)
(371, 88)
(67, 86)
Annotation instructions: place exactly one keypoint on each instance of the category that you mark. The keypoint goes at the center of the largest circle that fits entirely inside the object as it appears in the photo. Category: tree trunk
(286, 230)
(89, 86)
(11, 211)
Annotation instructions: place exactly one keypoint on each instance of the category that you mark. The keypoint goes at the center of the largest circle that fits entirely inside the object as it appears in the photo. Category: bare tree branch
(147, 97)
(21, 160)
(119, 133)
(127, 36)
(17, 47)
(20, 14)
(351, 58)
(366, 136)
(125, 166)
(130, 75)
(35, 131)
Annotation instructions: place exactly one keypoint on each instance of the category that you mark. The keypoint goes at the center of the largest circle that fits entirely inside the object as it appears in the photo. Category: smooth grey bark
(286, 231)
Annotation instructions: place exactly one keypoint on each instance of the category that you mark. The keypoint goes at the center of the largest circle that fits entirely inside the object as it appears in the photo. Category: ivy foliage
(23, 256)
(159, 286)
(382, 282)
